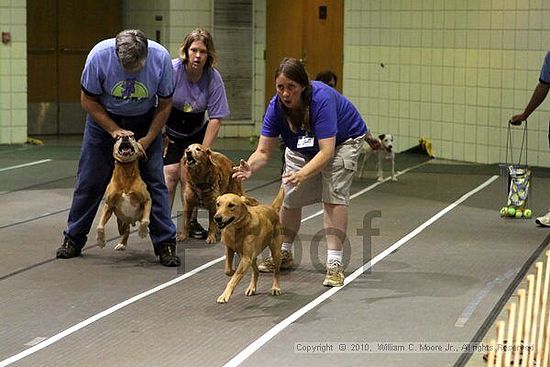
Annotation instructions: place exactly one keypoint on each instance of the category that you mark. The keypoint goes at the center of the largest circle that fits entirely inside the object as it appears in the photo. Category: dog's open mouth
(190, 160)
(126, 149)
(222, 224)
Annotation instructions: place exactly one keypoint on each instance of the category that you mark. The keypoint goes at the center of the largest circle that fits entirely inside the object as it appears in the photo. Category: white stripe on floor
(248, 351)
(472, 306)
(103, 314)
(136, 298)
(366, 189)
(25, 165)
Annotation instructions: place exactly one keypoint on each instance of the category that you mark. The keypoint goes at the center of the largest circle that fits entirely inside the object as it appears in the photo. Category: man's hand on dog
(243, 171)
(120, 133)
(373, 141)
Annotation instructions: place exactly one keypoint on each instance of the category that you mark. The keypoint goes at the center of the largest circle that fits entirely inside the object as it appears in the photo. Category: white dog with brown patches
(385, 152)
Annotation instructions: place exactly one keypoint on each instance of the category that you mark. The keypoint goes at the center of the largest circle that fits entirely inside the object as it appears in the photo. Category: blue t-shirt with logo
(331, 115)
(124, 93)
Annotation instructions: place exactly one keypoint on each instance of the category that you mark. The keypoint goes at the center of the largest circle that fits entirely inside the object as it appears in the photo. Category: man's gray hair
(131, 48)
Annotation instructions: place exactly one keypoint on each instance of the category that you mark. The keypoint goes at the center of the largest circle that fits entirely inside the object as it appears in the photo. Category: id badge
(305, 142)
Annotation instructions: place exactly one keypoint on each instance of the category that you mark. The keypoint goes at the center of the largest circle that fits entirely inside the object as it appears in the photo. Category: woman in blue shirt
(323, 133)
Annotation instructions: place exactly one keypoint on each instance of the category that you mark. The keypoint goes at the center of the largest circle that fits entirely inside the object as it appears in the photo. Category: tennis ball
(511, 211)
(504, 211)
(527, 213)
(519, 214)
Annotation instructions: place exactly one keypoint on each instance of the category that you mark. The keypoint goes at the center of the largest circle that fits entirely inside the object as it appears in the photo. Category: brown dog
(126, 194)
(208, 175)
(247, 229)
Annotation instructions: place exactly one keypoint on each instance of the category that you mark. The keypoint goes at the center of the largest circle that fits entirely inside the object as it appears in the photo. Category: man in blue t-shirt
(539, 94)
(126, 90)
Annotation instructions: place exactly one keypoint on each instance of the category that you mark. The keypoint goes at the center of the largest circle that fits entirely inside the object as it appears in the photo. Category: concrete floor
(440, 265)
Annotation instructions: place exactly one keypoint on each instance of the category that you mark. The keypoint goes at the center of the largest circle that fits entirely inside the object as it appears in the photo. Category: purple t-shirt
(124, 93)
(545, 71)
(331, 114)
(208, 94)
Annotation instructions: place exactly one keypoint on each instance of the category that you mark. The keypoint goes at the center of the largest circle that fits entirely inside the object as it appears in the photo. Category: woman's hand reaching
(242, 172)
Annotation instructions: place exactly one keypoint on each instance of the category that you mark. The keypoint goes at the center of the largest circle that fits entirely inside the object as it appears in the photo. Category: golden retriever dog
(208, 175)
(247, 229)
(126, 194)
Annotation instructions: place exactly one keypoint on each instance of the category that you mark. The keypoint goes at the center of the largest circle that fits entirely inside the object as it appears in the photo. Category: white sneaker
(544, 221)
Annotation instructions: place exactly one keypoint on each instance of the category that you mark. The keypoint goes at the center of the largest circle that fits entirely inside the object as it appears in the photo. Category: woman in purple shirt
(323, 133)
(199, 106)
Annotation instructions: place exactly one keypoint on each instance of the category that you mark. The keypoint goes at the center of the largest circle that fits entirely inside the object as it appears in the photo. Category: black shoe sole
(170, 262)
(66, 255)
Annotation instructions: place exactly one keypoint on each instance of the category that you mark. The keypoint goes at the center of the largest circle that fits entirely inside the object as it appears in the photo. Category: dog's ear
(209, 156)
(250, 201)
(381, 136)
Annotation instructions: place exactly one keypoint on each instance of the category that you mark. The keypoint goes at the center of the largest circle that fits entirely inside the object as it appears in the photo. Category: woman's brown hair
(198, 34)
(295, 70)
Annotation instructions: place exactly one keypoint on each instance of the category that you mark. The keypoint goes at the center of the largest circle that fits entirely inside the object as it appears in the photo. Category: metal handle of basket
(509, 145)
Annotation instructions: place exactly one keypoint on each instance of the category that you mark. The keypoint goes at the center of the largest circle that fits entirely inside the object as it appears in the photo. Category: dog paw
(181, 237)
(211, 239)
(143, 230)
(229, 272)
(394, 178)
(120, 247)
(380, 179)
(100, 237)
(275, 291)
(224, 298)
(250, 291)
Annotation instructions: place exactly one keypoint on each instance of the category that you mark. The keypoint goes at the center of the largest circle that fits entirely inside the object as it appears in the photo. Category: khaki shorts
(332, 184)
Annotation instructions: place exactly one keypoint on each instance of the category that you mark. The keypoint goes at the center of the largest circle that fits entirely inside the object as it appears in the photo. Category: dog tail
(278, 201)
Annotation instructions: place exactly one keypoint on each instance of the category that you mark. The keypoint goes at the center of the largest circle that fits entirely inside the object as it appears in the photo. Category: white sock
(285, 246)
(334, 255)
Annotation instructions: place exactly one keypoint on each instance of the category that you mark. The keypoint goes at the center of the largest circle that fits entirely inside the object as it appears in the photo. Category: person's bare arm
(327, 148)
(159, 120)
(257, 160)
(211, 132)
(92, 106)
(539, 94)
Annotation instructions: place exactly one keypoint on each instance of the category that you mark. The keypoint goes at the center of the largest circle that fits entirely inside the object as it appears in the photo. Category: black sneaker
(67, 250)
(196, 230)
(167, 255)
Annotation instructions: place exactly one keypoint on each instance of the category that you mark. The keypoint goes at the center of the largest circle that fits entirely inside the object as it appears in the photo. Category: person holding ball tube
(538, 96)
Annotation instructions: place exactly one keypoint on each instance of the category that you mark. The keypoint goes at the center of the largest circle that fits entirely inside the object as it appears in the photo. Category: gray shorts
(332, 184)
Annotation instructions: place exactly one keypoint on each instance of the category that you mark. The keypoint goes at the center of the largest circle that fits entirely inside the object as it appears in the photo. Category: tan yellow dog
(208, 175)
(126, 194)
(247, 229)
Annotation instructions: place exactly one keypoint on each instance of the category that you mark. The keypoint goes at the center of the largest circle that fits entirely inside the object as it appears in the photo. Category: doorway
(60, 33)
(310, 30)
